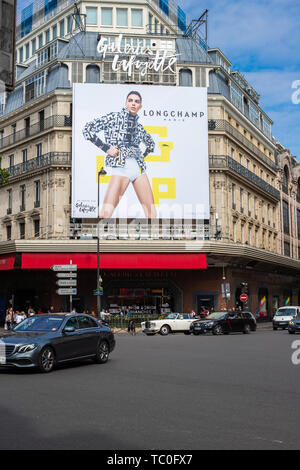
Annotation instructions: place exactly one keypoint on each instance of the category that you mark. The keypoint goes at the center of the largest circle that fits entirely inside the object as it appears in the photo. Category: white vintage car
(173, 323)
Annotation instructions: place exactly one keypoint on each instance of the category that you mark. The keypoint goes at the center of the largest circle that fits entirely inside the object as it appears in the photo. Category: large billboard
(152, 142)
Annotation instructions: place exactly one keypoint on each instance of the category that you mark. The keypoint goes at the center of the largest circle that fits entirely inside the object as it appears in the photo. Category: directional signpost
(67, 279)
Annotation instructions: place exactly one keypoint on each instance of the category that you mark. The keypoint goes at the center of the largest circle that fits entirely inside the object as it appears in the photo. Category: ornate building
(244, 243)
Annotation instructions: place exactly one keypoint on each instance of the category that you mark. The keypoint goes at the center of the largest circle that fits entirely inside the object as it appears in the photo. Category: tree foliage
(4, 175)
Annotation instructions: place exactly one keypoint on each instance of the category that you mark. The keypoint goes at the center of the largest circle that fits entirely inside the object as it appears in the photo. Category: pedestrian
(8, 320)
(51, 309)
(20, 317)
(131, 328)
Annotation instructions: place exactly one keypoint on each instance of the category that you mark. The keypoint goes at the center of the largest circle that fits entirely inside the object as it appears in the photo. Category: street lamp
(102, 172)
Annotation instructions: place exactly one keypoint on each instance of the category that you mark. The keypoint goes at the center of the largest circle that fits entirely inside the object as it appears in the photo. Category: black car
(219, 323)
(46, 340)
(294, 325)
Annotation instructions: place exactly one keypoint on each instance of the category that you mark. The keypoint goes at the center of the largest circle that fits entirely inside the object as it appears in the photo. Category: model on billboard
(123, 136)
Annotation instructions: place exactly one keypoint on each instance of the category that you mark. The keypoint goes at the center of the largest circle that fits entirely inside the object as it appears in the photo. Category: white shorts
(131, 170)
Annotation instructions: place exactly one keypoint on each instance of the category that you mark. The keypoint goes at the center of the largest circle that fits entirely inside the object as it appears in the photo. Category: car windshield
(215, 316)
(171, 316)
(40, 324)
(287, 312)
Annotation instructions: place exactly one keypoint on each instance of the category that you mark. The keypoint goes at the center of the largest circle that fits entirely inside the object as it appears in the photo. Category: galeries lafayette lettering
(155, 61)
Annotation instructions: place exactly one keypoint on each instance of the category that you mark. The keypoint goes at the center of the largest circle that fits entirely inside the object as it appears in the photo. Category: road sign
(67, 291)
(244, 298)
(64, 267)
(66, 282)
(64, 275)
(98, 291)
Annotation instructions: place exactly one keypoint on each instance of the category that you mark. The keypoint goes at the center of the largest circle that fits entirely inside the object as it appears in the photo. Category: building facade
(252, 217)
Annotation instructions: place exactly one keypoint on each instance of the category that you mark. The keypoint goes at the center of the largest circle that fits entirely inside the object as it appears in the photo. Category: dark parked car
(46, 340)
(219, 323)
(294, 325)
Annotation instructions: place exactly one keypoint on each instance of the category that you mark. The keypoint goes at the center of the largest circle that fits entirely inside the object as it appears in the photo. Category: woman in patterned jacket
(123, 136)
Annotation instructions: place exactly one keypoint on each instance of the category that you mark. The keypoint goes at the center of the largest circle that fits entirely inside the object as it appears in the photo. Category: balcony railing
(48, 123)
(224, 161)
(52, 158)
(225, 126)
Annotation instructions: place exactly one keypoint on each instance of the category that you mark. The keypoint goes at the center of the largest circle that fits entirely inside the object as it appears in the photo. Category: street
(175, 392)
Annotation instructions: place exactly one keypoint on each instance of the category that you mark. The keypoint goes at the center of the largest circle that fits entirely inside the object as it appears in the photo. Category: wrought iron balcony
(52, 158)
(45, 124)
(224, 161)
(225, 126)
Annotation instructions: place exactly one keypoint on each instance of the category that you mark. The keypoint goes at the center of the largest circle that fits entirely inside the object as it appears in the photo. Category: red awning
(116, 260)
(7, 262)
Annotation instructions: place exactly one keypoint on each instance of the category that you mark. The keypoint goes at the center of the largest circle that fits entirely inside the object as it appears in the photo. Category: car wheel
(165, 330)
(102, 353)
(246, 330)
(187, 333)
(46, 359)
(217, 330)
(196, 333)
(274, 328)
(291, 332)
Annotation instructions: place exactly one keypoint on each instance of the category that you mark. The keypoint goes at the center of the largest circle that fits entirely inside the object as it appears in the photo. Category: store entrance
(138, 299)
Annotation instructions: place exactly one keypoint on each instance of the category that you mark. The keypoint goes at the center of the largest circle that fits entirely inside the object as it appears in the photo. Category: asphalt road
(175, 392)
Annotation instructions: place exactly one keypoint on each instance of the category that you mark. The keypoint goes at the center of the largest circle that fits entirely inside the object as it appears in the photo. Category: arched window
(92, 74)
(185, 77)
(285, 182)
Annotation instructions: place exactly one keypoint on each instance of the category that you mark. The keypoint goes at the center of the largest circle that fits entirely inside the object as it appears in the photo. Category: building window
(11, 161)
(35, 86)
(22, 230)
(254, 115)
(40, 41)
(122, 17)
(285, 181)
(69, 23)
(9, 201)
(106, 16)
(298, 223)
(236, 96)
(54, 32)
(92, 74)
(287, 249)
(33, 46)
(241, 201)
(23, 197)
(24, 159)
(137, 18)
(47, 36)
(37, 193)
(286, 223)
(38, 150)
(27, 51)
(36, 227)
(91, 15)
(164, 6)
(249, 204)
(233, 197)
(185, 77)
(62, 28)
(21, 56)
(8, 232)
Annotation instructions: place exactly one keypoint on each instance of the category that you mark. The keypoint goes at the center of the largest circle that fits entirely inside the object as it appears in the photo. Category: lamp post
(102, 172)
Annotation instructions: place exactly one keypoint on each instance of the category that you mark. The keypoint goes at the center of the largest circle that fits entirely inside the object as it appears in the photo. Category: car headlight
(26, 348)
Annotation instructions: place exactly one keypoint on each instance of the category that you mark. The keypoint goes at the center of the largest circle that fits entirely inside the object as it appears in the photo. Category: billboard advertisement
(147, 146)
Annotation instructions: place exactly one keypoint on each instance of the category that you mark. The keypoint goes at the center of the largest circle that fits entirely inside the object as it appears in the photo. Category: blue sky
(262, 40)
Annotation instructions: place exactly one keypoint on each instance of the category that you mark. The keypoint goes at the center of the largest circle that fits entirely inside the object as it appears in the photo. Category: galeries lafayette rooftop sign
(157, 61)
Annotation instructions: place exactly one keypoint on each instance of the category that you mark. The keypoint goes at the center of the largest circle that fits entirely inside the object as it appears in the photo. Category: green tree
(4, 175)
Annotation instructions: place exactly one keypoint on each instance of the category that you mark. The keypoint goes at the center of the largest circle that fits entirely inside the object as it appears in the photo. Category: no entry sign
(244, 298)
